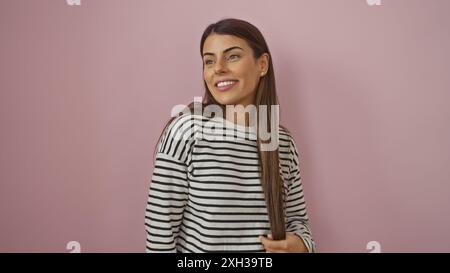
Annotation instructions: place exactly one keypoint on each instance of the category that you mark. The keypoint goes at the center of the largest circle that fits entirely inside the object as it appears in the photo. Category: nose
(220, 67)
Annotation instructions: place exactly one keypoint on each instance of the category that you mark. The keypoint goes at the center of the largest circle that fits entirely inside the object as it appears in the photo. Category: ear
(263, 64)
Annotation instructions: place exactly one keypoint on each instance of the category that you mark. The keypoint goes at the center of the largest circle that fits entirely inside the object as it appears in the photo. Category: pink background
(86, 90)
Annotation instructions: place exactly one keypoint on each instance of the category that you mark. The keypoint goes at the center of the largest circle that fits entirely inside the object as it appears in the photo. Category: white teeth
(225, 83)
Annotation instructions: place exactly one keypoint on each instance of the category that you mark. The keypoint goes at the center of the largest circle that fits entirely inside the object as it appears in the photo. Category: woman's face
(230, 70)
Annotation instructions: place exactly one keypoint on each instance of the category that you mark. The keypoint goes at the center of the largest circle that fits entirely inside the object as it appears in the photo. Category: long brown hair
(271, 180)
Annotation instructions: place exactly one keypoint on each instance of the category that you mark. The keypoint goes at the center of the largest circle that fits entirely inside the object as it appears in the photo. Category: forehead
(216, 43)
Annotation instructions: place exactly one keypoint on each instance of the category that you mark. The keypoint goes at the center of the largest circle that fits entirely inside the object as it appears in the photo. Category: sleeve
(296, 214)
(168, 192)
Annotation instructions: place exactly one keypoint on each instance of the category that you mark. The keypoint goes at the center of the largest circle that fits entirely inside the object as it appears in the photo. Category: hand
(292, 243)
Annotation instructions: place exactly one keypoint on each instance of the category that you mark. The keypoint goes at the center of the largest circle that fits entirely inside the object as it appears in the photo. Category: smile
(226, 85)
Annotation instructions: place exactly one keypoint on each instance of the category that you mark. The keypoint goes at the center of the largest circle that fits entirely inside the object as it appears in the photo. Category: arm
(166, 201)
(298, 234)
(296, 215)
(168, 193)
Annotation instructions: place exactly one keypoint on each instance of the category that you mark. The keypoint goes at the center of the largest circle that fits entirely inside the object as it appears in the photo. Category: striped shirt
(205, 194)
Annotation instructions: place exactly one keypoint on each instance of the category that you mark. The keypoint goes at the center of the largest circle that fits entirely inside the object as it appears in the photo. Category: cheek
(206, 77)
(249, 82)
(248, 77)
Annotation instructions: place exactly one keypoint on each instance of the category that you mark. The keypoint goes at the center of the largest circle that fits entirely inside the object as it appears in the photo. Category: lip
(222, 89)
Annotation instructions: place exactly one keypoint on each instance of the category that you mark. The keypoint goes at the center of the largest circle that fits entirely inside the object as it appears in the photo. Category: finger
(271, 244)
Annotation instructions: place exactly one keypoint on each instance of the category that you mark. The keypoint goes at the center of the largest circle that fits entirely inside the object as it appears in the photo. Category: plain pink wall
(86, 90)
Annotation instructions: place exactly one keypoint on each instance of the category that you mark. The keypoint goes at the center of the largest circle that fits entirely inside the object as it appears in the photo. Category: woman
(210, 193)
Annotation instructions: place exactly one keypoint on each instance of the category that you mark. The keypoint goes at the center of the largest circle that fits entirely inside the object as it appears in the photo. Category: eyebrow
(225, 51)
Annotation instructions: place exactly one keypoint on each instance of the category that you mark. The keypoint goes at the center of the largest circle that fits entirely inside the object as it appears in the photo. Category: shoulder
(184, 120)
(179, 134)
(288, 146)
(183, 126)
(286, 138)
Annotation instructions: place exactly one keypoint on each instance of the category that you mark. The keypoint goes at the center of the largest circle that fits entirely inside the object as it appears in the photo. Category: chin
(225, 100)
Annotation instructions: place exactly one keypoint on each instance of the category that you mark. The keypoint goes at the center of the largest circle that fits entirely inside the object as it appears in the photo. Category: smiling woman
(233, 54)
(221, 194)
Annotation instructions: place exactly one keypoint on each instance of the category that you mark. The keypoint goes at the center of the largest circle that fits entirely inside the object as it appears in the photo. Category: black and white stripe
(206, 195)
